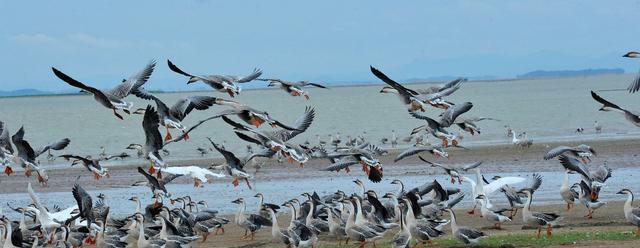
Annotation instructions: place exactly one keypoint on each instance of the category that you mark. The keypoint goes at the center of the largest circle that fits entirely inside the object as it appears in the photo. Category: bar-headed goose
(113, 99)
(437, 152)
(293, 88)
(91, 164)
(27, 155)
(582, 151)
(221, 83)
(251, 223)
(538, 219)
(233, 166)
(173, 117)
(453, 171)
(465, 234)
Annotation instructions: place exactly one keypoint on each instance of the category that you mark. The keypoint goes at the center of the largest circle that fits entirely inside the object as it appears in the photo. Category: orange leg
(27, 172)
(638, 232)
(159, 174)
(445, 143)
(453, 180)
(347, 170)
(538, 234)
(168, 136)
(151, 170)
(235, 182)
(548, 231)
(455, 142)
(8, 170)
(204, 237)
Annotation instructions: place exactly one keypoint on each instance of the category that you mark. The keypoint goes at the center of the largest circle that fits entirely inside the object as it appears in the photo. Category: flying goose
(233, 166)
(436, 129)
(635, 84)
(515, 196)
(293, 88)
(91, 164)
(452, 171)
(221, 83)
(113, 99)
(363, 155)
(249, 115)
(465, 234)
(413, 99)
(440, 87)
(173, 117)
(581, 151)
(631, 213)
(156, 185)
(27, 155)
(437, 152)
(589, 197)
(198, 174)
(537, 218)
(594, 178)
(608, 106)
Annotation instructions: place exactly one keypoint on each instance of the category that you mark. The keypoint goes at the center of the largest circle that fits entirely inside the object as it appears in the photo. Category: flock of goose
(412, 214)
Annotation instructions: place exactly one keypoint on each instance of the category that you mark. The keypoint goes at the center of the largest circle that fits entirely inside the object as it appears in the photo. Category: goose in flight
(437, 128)
(413, 150)
(27, 155)
(249, 115)
(198, 174)
(91, 164)
(453, 171)
(608, 106)
(6, 149)
(173, 117)
(363, 155)
(582, 151)
(594, 178)
(293, 88)
(635, 84)
(413, 99)
(154, 142)
(156, 185)
(233, 166)
(221, 83)
(113, 99)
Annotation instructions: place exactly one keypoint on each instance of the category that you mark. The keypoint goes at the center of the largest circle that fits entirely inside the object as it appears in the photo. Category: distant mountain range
(570, 73)
(528, 75)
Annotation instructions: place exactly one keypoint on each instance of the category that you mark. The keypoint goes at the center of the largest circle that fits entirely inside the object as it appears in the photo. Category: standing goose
(233, 166)
(594, 178)
(635, 84)
(357, 232)
(453, 172)
(568, 193)
(6, 149)
(537, 218)
(403, 237)
(173, 117)
(27, 155)
(632, 214)
(252, 223)
(464, 234)
(113, 99)
(589, 197)
(221, 83)
(491, 215)
(293, 88)
(92, 165)
(288, 237)
(608, 106)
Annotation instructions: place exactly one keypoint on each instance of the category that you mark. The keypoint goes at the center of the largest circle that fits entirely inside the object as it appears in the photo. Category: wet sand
(497, 159)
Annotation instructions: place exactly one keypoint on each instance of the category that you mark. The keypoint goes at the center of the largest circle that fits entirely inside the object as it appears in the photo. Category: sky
(102, 42)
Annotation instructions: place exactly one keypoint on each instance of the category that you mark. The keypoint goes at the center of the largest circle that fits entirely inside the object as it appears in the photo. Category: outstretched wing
(248, 78)
(340, 165)
(185, 105)
(150, 124)
(604, 102)
(557, 152)
(175, 69)
(449, 116)
(413, 150)
(405, 92)
(5, 141)
(101, 96)
(635, 84)
(300, 125)
(58, 145)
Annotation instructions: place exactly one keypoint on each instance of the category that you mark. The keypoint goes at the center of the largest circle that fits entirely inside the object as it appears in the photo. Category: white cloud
(34, 39)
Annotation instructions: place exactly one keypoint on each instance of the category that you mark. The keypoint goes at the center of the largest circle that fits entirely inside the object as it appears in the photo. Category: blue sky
(101, 42)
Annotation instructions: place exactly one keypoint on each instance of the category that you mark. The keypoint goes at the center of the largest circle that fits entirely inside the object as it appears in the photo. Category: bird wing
(535, 184)
(405, 92)
(185, 105)
(573, 164)
(604, 102)
(340, 165)
(449, 116)
(150, 124)
(175, 69)
(25, 151)
(434, 164)
(85, 203)
(168, 179)
(557, 152)
(456, 200)
(471, 166)
(5, 141)
(300, 125)
(231, 158)
(433, 124)
(58, 145)
(497, 184)
(99, 94)
(150, 179)
(453, 83)
(317, 85)
(635, 84)
(442, 93)
(413, 150)
(602, 173)
(248, 78)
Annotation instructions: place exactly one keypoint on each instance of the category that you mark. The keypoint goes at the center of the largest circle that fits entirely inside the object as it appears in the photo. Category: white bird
(480, 188)
(198, 174)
